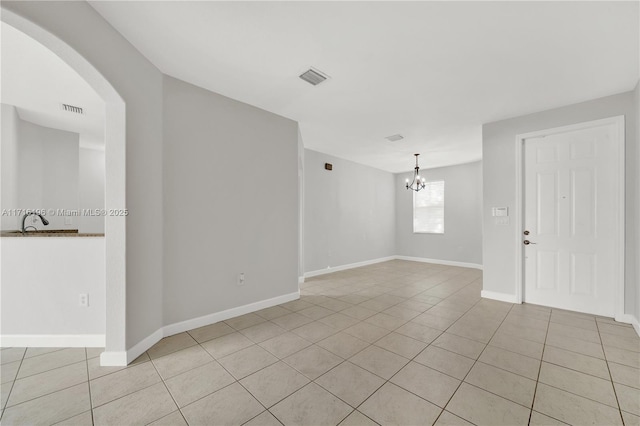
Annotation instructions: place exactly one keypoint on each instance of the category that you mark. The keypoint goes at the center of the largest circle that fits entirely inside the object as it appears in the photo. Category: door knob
(526, 232)
(527, 242)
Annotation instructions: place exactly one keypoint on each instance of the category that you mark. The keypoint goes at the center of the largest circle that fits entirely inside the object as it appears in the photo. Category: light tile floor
(394, 343)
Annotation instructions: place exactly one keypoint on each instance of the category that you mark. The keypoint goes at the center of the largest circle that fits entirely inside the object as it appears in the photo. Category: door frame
(619, 124)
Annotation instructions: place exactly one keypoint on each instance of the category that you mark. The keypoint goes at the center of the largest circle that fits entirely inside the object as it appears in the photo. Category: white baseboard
(629, 319)
(179, 327)
(141, 347)
(440, 262)
(331, 269)
(502, 297)
(300, 280)
(52, 340)
(625, 318)
(113, 359)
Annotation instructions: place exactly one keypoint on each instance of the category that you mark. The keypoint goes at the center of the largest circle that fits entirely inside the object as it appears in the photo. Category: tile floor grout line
(4, 406)
(261, 413)
(575, 352)
(167, 354)
(388, 381)
(168, 391)
(43, 395)
(573, 393)
(46, 353)
(449, 279)
(292, 353)
(50, 369)
(370, 344)
(279, 359)
(413, 360)
(615, 393)
(498, 367)
(125, 395)
(307, 384)
(580, 396)
(89, 386)
(535, 389)
(7, 406)
(90, 411)
(236, 380)
(347, 360)
(618, 347)
(476, 361)
(203, 397)
(119, 369)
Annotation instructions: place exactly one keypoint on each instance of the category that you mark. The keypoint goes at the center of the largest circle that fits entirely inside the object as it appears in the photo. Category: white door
(572, 204)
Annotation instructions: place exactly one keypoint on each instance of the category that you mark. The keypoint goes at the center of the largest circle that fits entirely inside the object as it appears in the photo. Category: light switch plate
(500, 211)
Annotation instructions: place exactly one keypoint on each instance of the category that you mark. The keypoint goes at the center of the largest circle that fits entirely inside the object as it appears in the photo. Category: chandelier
(417, 183)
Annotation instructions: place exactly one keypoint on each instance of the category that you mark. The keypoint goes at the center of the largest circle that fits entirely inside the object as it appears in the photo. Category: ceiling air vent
(394, 138)
(71, 108)
(313, 76)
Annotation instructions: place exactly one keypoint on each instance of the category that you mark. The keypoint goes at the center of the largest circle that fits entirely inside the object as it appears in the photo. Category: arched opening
(115, 183)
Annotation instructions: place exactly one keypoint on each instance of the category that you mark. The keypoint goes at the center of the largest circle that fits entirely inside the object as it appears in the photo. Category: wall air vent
(73, 109)
(394, 138)
(313, 76)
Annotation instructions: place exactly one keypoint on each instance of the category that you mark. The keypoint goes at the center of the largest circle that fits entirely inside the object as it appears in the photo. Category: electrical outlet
(83, 300)
(241, 278)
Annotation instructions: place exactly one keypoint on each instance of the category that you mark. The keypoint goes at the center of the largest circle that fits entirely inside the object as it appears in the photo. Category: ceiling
(431, 71)
(38, 82)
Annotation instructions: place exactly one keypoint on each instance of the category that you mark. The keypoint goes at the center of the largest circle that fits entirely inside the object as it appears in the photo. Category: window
(428, 209)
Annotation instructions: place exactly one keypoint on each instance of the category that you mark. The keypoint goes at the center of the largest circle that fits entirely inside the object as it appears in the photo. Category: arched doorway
(115, 183)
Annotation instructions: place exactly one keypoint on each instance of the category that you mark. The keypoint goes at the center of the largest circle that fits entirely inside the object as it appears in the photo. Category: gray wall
(498, 153)
(91, 179)
(349, 212)
(462, 238)
(39, 171)
(300, 205)
(636, 97)
(220, 153)
(230, 203)
(139, 83)
(9, 165)
(48, 172)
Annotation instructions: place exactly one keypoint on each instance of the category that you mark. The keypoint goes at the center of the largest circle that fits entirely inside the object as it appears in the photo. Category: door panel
(547, 195)
(583, 207)
(571, 188)
(547, 270)
(583, 273)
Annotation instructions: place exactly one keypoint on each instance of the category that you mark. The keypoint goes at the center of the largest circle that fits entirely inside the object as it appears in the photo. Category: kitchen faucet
(45, 222)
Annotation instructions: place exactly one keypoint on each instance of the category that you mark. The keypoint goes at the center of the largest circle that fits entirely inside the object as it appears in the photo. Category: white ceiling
(431, 71)
(37, 82)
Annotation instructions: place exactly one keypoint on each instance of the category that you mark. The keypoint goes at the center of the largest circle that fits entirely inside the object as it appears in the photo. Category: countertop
(50, 233)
